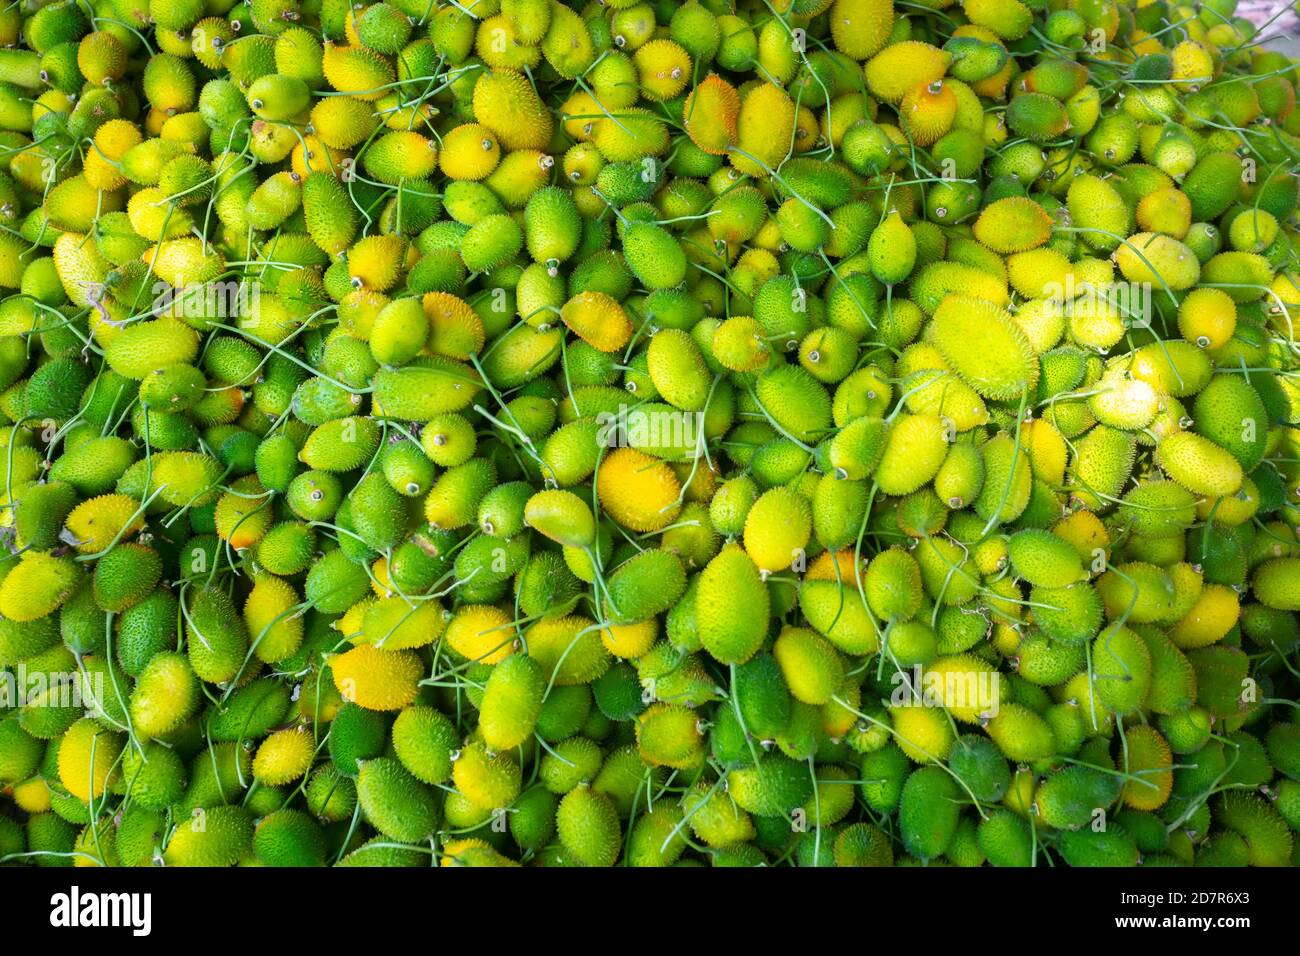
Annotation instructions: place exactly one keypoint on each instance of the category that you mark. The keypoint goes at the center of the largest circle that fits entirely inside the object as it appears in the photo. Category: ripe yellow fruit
(639, 492)
(377, 679)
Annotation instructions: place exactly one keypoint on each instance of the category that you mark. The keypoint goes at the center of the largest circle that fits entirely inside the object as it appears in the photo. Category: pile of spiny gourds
(808, 432)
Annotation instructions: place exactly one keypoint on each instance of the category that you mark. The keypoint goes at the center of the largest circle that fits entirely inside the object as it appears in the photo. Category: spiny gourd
(625, 413)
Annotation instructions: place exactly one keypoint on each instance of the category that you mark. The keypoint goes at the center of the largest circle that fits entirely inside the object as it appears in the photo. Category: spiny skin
(711, 112)
(514, 433)
(732, 607)
(1013, 225)
(283, 757)
(764, 124)
(506, 104)
(397, 804)
(1149, 760)
(953, 331)
(927, 112)
(376, 679)
(861, 27)
(226, 833)
(903, 66)
(512, 702)
(1069, 798)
